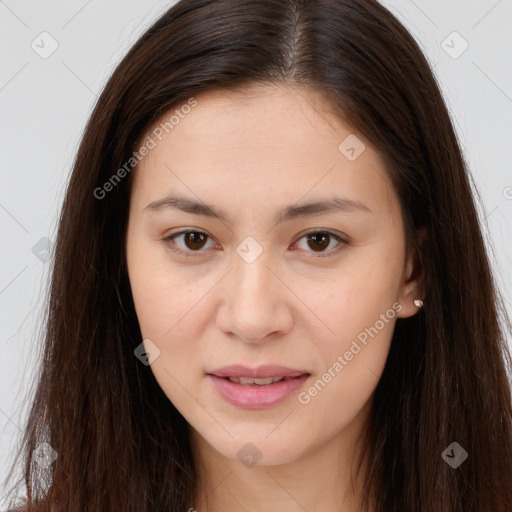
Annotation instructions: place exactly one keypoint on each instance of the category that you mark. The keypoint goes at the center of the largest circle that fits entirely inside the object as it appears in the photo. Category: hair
(121, 443)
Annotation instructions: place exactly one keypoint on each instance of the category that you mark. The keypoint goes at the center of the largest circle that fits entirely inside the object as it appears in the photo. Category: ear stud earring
(418, 303)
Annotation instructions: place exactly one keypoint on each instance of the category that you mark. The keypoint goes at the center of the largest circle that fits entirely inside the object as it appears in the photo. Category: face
(258, 278)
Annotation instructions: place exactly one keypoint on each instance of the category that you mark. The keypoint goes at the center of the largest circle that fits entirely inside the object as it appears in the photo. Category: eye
(321, 240)
(194, 241)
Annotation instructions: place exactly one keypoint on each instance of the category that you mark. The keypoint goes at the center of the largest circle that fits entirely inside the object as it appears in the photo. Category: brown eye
(192, 241)
(319, 241)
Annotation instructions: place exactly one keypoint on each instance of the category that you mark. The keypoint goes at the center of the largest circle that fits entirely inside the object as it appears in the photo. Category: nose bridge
(253, 307)
(252, 277)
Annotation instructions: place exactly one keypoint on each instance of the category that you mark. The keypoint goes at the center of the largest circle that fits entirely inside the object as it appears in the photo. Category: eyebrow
(189, 205)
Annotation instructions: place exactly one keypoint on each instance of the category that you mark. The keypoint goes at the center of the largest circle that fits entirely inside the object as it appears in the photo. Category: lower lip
(255, 396)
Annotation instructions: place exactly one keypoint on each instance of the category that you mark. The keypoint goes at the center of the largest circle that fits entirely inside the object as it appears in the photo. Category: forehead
(255, 116)
(269, 140)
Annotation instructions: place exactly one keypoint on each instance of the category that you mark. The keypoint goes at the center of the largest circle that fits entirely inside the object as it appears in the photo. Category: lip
(256, 396)
(238, 370)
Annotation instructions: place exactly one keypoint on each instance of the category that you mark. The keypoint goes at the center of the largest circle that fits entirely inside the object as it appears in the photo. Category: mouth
(262, 372)
(249, 381)
(256, 388)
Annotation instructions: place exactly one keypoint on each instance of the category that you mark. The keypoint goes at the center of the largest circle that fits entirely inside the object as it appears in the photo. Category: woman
(270, 287)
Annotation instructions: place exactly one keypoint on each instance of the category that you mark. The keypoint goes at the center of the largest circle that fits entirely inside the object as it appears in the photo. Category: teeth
(259, 382)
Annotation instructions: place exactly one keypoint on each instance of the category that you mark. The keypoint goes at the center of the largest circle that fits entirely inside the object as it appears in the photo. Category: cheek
(354, 350)
(168, 315)
(352, 362)
(360, 310)
(161, 294)
(354, 300)
(170, 308)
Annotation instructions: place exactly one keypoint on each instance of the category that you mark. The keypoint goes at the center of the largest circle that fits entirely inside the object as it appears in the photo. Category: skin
(298, 304)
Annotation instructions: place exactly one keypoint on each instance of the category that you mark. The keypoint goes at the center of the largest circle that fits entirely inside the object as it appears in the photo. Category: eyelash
(170, 242)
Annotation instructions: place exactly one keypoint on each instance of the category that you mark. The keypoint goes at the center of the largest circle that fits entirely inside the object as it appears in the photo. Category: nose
(256, 305)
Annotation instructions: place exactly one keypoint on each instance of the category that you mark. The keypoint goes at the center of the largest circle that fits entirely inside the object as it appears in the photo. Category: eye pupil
(194, 236)
(316, 236)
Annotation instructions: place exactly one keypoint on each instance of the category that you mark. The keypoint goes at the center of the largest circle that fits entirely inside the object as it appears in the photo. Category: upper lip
(261, 372)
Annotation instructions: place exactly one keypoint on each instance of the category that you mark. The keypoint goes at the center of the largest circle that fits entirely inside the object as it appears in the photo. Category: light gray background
(44, 104)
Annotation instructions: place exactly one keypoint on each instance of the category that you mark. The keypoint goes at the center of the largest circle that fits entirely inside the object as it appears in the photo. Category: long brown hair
(121, 444)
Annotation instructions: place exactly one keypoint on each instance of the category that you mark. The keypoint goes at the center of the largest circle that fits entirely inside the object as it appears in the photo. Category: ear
(413, 284)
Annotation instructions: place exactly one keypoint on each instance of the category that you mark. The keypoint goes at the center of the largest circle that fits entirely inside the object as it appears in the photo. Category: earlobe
(410, 306)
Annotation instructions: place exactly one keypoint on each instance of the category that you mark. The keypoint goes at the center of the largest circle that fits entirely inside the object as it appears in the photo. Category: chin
(258, 447)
